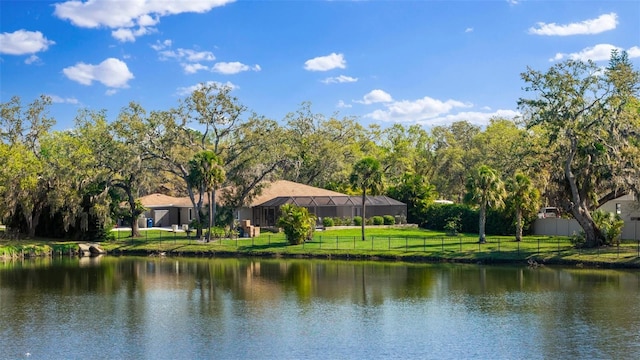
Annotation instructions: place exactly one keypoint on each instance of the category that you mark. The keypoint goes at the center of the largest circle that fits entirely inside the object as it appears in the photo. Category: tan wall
(556, 226)
(629, 211)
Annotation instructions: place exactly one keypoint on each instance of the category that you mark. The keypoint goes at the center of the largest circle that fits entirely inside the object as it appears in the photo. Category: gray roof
(315, 201)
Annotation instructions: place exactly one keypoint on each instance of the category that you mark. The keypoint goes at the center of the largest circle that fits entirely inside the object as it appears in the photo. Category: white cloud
(339, 79)
(416, 110)
(186, 55)
(130, 35)
(60, 100)
(600, 52)
(468, 30)
(110, 92)
(633, 52)
(193, 68)
(23, 42)
(600, 24)
(342, 105)
(161, 45)
(111, 72)
(187, 90)
(473, 117)
(189, 59)
(229, 68)
(128, 15)
(375, 96)
(32, 59)
(325, 63)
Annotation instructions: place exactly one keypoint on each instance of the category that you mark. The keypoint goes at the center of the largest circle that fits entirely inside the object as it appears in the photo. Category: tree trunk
(592, 235)
(579, 208)
(364, 198)
(32, 218)
(135, 230)
(210, 216)
(482, 223)
(519, 224)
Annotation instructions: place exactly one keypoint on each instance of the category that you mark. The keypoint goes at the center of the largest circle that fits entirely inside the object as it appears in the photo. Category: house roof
(270, 191)
(340, 200)
(160, 200)
(289, 188)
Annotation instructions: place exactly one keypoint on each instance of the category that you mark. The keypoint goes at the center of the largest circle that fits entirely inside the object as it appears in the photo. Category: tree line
(575, 146)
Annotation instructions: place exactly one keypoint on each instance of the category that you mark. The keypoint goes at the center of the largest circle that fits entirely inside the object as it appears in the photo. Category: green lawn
(398, 243)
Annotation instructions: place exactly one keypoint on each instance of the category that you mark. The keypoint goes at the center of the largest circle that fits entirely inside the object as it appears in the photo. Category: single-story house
(342, 206)
(627, 206)
(165, 211)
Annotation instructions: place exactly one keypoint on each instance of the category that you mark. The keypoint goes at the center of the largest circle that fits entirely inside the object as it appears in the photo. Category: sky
(380, 62)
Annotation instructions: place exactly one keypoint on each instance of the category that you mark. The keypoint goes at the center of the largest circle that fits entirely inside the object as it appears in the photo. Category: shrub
(298, 224)
(377, 220)
(452, 225)
(327, 222)
(610, 225)
(389, 220)
(357, 220)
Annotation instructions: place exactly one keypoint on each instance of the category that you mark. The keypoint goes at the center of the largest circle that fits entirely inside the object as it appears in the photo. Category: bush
(377, 220)
(357, 220)
(610, 225)
(389, 220)
(327, 222)
(298, 224)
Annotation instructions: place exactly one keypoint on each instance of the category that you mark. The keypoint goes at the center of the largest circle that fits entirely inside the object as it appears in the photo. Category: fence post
(269, 240)
(320, 241)
(538, 246)
(424, 244)
(406, 244)
(518, 248)
(336, 243)
(558, 244)
(498, 244)
(460, 244)
(442, 240)
(389, 247)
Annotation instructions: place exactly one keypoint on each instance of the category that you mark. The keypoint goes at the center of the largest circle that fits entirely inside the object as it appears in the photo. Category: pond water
(178, 308)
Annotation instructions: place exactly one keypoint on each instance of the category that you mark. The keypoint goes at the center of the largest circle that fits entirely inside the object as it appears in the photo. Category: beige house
(627, 206)
(167, 211)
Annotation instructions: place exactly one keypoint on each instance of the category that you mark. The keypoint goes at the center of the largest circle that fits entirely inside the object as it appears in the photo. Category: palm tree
(523, 198)
(366, 175)
(206, 174)
(484, 188)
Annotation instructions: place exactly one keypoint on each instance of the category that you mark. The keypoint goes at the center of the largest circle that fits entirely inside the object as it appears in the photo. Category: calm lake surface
(177, 308)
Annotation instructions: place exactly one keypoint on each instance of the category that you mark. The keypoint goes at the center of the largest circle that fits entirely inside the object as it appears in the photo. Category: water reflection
(235, 308)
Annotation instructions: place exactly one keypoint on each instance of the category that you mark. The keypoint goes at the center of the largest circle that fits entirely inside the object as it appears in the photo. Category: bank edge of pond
(569, 258)
(468, 258)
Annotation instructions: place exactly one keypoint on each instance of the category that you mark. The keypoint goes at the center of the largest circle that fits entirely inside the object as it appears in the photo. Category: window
(190, 214)
(618, 209)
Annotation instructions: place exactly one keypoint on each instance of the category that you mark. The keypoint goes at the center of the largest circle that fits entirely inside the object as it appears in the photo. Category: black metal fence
(417, 244)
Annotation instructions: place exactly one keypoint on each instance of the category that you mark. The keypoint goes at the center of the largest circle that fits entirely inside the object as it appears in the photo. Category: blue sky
(384, 62)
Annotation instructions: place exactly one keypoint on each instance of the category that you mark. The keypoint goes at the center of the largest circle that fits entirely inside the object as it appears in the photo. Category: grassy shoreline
(408, 244)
